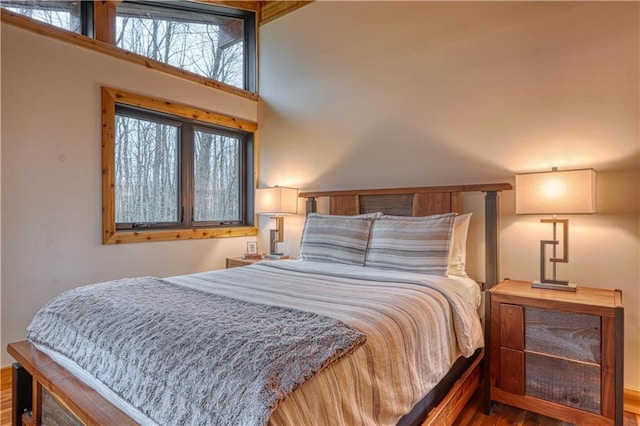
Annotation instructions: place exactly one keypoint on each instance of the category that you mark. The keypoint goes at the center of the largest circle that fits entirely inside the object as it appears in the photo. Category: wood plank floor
(504, 415)
(472, 415)
(5, 397)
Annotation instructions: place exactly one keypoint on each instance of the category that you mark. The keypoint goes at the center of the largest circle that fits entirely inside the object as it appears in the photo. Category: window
(157, 160)
(211, 41)
(147, 170)
(210, 44)
(75, 16)
(166, 171)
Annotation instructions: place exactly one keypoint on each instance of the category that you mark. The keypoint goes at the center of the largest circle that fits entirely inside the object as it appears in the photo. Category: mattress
(416, 327)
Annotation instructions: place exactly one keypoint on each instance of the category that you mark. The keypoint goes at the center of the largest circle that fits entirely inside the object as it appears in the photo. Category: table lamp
(556, 193)
(276, 202)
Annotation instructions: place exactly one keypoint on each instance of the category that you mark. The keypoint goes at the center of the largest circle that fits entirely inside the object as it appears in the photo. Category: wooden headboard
(420, 201)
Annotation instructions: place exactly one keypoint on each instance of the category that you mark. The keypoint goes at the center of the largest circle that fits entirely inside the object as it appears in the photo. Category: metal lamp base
(276, 236)
(554, 286)
(554, 283)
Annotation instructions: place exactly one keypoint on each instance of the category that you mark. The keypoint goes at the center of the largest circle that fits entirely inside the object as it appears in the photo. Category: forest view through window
(176, 173)
(204, 39)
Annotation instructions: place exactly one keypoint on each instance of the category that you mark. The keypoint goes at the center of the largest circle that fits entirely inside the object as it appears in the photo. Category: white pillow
(458, 254)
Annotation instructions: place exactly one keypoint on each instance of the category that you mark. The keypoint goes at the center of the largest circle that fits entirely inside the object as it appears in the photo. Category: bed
(363, 334)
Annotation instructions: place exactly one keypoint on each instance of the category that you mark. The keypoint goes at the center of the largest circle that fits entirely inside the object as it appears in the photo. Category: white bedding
(416, 327)
(470, 287)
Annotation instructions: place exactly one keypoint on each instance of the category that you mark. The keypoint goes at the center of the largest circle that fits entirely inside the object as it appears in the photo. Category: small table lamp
(556, 192)
(275, 202)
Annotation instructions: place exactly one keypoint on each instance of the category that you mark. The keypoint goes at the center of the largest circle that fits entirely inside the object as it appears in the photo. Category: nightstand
(232, 262)
(557, 353)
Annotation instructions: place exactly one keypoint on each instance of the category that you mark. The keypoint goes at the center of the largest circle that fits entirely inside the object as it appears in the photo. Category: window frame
(112, 234)
(246, 145)
(180, 201)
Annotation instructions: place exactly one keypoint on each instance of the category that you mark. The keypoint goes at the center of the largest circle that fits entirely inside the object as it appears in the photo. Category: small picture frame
(252, 247)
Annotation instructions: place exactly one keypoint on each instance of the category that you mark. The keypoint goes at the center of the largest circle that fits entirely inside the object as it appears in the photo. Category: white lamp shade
(556, 192)
(277, 200)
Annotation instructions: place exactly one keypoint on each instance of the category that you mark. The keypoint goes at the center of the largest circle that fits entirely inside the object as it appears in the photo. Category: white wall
(51, 175)
(389, 94)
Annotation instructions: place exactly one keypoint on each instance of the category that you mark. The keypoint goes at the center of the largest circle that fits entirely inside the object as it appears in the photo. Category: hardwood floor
(472, 415)
(506, 415)
(5, 397)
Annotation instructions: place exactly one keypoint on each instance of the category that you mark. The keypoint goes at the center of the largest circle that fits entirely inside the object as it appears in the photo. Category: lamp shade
(556, 192)
(277, 200)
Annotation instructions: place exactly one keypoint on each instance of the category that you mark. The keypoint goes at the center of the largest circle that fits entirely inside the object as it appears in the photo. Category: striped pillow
(337, 239)
(412, 244)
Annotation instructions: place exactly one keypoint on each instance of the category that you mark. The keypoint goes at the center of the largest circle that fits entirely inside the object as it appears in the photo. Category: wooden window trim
(104, 22)
(111, 50)
(109, 234)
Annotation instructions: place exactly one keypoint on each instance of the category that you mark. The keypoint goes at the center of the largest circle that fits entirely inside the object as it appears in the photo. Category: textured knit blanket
(183, 356)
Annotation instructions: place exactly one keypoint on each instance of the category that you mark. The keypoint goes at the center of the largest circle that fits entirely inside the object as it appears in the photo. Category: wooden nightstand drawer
(570, 383)
(511, 326)
(512, 377)
(233, 262)
(564, 334)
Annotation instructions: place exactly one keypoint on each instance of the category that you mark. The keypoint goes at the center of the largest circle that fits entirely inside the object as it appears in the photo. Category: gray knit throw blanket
(182, 356)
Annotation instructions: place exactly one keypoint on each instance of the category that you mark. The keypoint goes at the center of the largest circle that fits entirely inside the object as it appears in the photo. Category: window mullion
(186, 174)
(247, 193)
(242, 176)
(87, 21)
(250, 54)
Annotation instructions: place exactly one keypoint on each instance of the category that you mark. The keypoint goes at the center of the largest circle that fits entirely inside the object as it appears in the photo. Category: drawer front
(574, 384)
(511, 326)
(512, 371)
(233, 263)
(564, 334)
